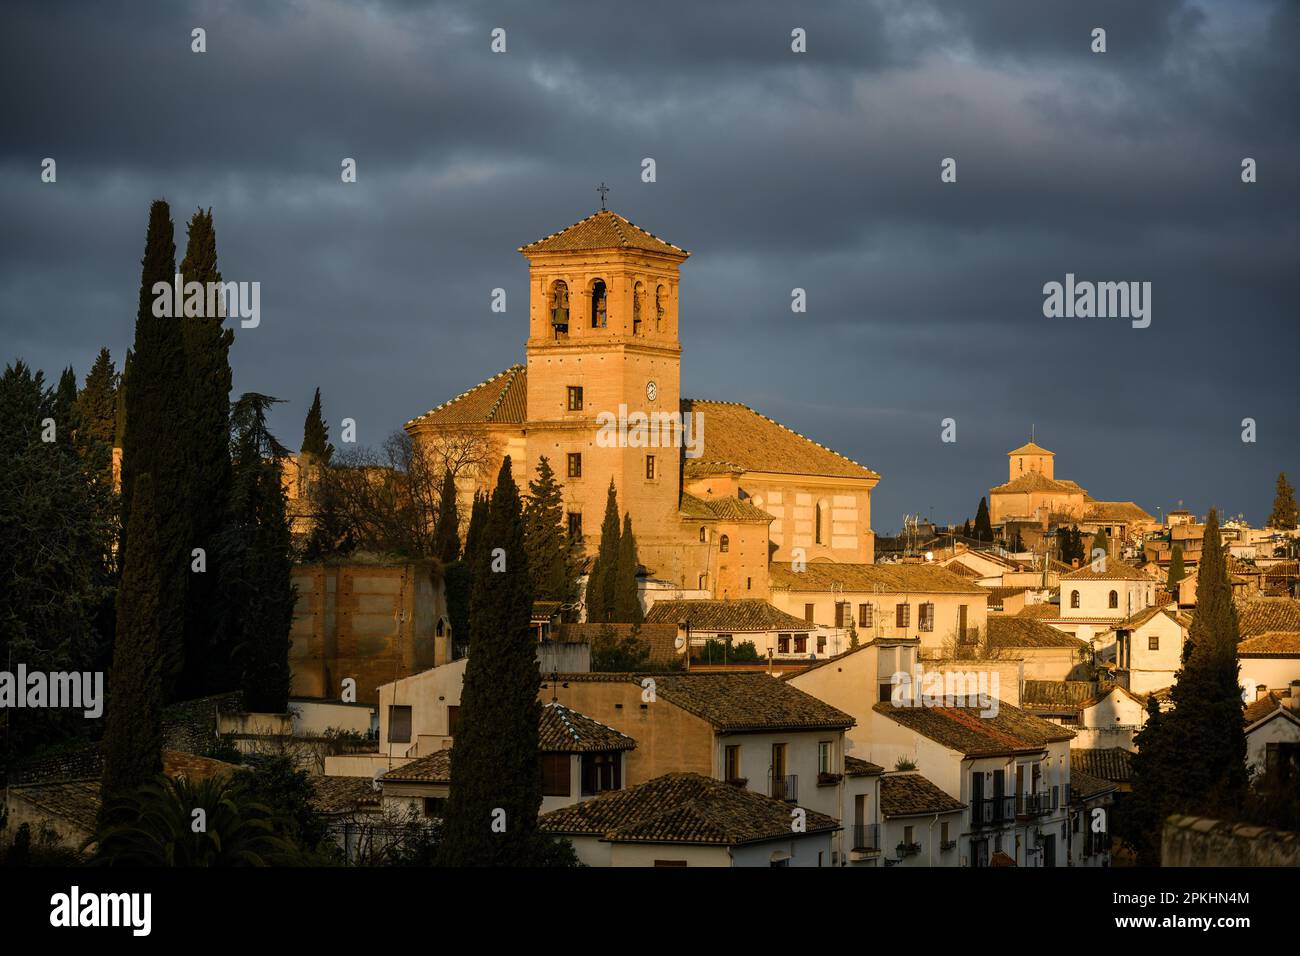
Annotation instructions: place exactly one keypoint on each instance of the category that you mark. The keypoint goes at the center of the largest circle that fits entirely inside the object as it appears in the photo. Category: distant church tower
(1031, 457)
(603, 336)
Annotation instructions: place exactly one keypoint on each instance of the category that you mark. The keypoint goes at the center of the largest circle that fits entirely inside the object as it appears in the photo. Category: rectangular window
(670, 862)
(650, 467)
(555, 775)
(732, 761)
(824, 757)
(1153, 642)
(453, 719)
(399, 724)
(821, 643)
(801, 643)
(435, 806)
(783, 643)
(575, 464)
(864, 615)
(808, 612)
(600, 773)
(925, 615)
(907, 835)
(886, 692)
(575, 398)
(902, 615)
(961, 623)
(843, 613)
(943, 832)
(575, 525)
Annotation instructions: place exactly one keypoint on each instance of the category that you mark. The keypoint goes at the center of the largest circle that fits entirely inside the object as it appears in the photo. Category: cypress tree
(1100, 542)
(627, 604)
(256, 560)
(1141, 822)
(1176, 570)
(601, 579)
(206, 346)
(446, 534)
(119, 407)
(553, 558)
(1284, 515)
(458, 577)
(154, 441)
(983, 527)
(97, 406)
(315, 434)
(495, 768)
(478, 516)
(965, 528)
(132, 745)
(66, 415)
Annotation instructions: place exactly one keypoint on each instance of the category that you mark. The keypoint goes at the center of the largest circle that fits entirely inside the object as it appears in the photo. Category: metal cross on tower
(602, 189)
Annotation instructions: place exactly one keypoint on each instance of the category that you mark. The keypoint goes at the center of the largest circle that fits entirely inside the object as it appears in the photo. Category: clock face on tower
(651, 390)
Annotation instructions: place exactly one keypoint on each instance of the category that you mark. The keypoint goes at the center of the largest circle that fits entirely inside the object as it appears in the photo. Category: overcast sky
(775, 169)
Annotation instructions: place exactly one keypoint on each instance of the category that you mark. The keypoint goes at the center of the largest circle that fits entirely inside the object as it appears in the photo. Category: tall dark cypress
(66, 414)
(97, 407)
(495, 768)
(315, 434)
(627, 604)
(132, 745)
(154, 442)
(207, 438)
(601, 578)
(553, 557)
(446, 533)
(983, 526)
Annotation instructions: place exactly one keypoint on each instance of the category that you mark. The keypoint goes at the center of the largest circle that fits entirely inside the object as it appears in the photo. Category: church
(714, 510)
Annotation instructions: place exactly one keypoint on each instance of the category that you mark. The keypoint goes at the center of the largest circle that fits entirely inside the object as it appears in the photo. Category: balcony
(947, 845)
(786, 788)
(866, 837)
(993, 811)
(1033, 804)
(908, 849)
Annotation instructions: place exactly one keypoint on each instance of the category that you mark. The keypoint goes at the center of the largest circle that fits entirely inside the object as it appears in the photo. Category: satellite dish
(680, 642)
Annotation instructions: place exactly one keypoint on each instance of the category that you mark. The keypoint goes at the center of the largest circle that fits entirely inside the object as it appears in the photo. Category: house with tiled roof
(941, 609)
(1273, 732)
(1010, 768)
(1047, 653)
(1149, 648)
(1261, 615)
(691, 819)
(745, 728)
(1088, 833)
(714, 488)
(920, 821)
(1100, 594)
(1114, 764)
(771, 631)
(1270, 660)
(580, 756)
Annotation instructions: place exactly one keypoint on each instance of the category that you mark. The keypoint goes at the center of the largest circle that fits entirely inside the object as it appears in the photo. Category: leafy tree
(613, 654)
(602, 576)
(287, 792)
(496, 771)
(1100, 542)
(97, 408)
(256, 559)
(553, 557)
(133, 733)
(446, 535)
(155, 440)
(983, 527)
(153, 826)
(725, 651)
(315, 434)
(206, 343)
(627, 601)
(1285, 514)
(1176, 570)
(57, 527)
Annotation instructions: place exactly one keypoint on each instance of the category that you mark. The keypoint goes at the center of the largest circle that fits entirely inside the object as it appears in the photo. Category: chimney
(1261, 691)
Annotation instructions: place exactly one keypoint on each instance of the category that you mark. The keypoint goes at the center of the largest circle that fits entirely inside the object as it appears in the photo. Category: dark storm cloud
(776, 170)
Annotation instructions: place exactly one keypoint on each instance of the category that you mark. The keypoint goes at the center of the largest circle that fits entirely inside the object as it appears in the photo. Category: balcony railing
(1033, 804)
(786, 788)
(908, 849)
(866, 836)
(993, 810)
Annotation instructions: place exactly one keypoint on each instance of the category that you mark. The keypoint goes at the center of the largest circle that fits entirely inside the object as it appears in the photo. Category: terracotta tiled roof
(501, 399)
(963, 729)
(1261, 615)
(1116, 511)
(857, 767)
(723, 509)
(1031, 448)
(1001, 859)
(432, 768)
(698, 468)
(662, 638)
(1035, 481)
(910, 794)
(603, 230)
(891, 578)
(999, 594)
(1271, 644)
(962, 570)
(1039, 612)
(1150, 613)
(344, 794)
(77, 801)
(564, 730)
(1108, 763)
(1056, 694)
(737, 434)
(1114, 570)
(682, 808)
(748, 614)
(736, 702)
(1261, 708)
(1019, 631)
(1084, 786)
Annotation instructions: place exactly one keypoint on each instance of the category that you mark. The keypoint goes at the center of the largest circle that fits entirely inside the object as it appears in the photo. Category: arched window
(598, 316)
(638, 291)
(439, 629)
(1074, 599)
(1114, 599)
(724, 543)
(661, 307)
(559, 306)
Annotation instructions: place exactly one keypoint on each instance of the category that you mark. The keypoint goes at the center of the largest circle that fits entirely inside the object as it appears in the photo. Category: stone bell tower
(603, 344)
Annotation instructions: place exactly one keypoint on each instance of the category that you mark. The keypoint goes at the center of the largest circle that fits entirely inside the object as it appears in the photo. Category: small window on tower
(575, 464)
(598, 304)
(560, 309)
(724, 544)
(575, 398)
(650, 467)
(638, 293)
(661, 307)
(575, 525)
